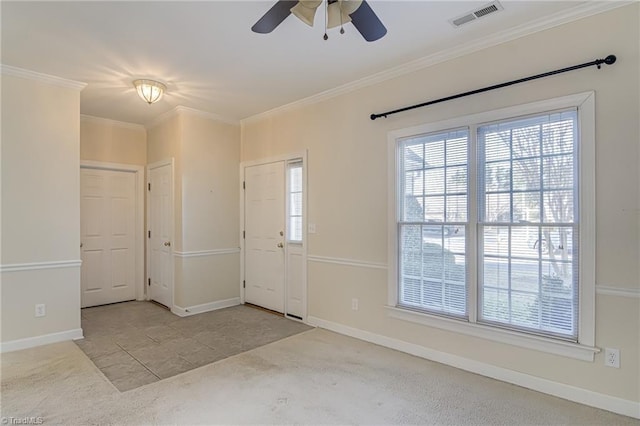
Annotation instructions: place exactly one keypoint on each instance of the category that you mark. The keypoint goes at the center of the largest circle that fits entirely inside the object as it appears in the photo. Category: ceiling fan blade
(367, 23)
(274, 16)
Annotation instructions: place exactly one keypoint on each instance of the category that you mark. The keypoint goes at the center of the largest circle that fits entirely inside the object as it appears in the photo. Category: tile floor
(136, 343)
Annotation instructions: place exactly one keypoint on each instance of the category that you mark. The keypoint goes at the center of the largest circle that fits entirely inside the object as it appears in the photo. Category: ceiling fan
(338, 12)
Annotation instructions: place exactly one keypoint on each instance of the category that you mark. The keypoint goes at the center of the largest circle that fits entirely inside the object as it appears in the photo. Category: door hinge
(244, 185)
(243, 234)
(148, 234)
(149, 186)
(149, 282)
(244, 284)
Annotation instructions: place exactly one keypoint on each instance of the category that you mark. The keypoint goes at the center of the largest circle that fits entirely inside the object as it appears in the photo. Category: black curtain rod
(609, 60)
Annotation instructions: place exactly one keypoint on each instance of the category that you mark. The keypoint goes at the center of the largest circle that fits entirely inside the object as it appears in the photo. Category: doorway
(160, 233)
(273, 238)
(111, 230)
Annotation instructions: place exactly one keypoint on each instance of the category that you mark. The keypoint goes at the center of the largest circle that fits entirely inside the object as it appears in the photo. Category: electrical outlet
(312, 228)
(354, 304)
(40, 310)
(612, 357)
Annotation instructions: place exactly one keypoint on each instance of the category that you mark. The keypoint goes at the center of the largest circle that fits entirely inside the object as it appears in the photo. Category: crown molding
(207, 115)
(180, 109)
(43, 78)
(100, 120)
(573, 14)
(161, 118)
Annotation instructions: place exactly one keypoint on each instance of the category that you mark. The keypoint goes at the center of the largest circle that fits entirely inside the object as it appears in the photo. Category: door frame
(139, 215)
(161, 163)
(284, 158)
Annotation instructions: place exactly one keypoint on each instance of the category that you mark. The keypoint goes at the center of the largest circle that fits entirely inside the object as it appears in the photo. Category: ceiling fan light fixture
(338, 12)
(349, 6)
(336, 17)
(150, 91)
(305, 10)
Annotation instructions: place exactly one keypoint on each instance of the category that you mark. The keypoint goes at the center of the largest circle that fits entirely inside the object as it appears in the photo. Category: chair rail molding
(33, 266)
(200, 253)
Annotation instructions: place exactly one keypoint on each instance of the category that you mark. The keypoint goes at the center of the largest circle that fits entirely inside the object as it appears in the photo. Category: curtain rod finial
(611, 59)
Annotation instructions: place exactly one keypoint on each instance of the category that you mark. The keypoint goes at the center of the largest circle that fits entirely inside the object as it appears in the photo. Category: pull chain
(326, 18)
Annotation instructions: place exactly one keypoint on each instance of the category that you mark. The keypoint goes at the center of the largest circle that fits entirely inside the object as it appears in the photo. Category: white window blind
(294, 213)
(433, 222)
(528, 223)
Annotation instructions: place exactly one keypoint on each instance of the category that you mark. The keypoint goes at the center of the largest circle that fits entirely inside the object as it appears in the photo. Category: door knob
(280, 245)
(167, 243)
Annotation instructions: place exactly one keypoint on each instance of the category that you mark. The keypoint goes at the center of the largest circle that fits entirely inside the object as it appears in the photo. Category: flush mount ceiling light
(150, 90)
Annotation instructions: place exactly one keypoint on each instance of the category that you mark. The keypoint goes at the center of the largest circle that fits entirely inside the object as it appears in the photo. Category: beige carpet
(316, 377)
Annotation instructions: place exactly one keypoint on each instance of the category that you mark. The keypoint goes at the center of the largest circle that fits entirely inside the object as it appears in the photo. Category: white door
(107, 223)
(264, 235)
(160, 204)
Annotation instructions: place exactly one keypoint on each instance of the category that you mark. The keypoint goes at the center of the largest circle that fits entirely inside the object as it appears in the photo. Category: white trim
(118, 167)
(34, 266)
(585, 103)
(273, 159)
(171, 163)
(45, 339)
(207, 115)
(633, 293)
(139, 214)
(304, 245)
(100, 120)
(205, 307)
(241, 223)
(561, 390)
(514, 338)
(587, 216)
(43, 78)
(347, 262)
(201, 253)
(573, 14)
(305, 211)
(191, 111)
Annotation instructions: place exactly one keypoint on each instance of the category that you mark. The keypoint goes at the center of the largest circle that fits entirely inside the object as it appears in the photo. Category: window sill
(538, 343)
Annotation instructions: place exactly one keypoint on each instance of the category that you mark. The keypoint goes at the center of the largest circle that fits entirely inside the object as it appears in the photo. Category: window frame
(290, 164)
(585, 348)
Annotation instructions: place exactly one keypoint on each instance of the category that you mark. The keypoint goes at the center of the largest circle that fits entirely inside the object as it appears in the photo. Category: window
(294, 203)
(433, 222)
(528, 219)
(492, 212)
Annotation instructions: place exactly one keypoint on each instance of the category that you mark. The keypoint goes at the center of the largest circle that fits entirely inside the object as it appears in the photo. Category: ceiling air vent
(476, 14)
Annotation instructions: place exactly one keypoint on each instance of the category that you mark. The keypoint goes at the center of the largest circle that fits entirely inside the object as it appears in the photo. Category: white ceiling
(213, 62)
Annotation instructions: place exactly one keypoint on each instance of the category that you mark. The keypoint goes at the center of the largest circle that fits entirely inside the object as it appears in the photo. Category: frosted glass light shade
(149, 90)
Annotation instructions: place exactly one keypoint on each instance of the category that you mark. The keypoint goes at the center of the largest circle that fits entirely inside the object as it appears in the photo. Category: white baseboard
(571, 393)
(31, 342)
(205, 307)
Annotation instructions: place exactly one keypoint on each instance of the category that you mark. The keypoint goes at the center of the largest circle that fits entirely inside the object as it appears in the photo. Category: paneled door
(107, 223)
(264, 235)
(160, 283)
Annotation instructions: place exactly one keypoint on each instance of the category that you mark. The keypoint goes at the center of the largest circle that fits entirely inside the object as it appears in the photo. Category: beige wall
(112, 142)
(347, 176)
(40, 207)
(210, 203)
(163, 143)
(207, 157)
